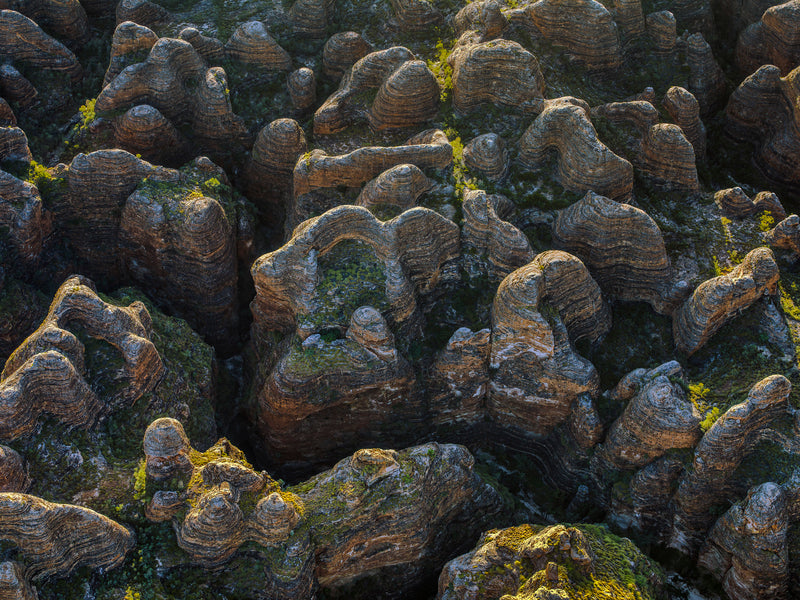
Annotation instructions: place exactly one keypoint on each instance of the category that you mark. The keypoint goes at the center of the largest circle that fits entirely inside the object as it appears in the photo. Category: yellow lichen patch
(514, 538)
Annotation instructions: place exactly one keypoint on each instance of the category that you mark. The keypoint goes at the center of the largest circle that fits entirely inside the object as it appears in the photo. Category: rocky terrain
(422, 299)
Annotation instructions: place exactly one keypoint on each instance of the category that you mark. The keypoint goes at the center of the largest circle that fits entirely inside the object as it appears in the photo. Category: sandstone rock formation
(658, 418)
(342, 51)
(178, 237)
(23, 214)
(487, 155)
(128, 43)
(411, 247)
(13, 471)
(210, 48)
(143, 130)
(310, 18)
(500, 72)
(484, 17)
(22, 40)
(174, 79)
(302, 86)
(629, 18)
(718, 300)
(584, 27)
(662, 30)
(429, 149)
(706, 79)
(44, 374)
(735, 203)
(684, 109)
(15, 87)
(252, 45)
(485, 231)
(584, 162)
(407, 94)
(747, 547)
(785, 235)
(762, 111)
(416, 15)
(622, 247)
(721, 450)
(13, 584)
(538, 310)
(773, 40)
(400, 186)
(166, 448)
(66, 18)
(55, 539)
(551, 563)
(144, 12)
(14, 145)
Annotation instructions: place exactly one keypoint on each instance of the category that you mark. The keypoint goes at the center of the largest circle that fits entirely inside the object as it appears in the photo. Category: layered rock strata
(773, 40)
(719, 453)
(22, 212)
(706, 79)
(716, 301)
(763, 112)
(400, 186)
(488, 156)
(551, 562)
(684, 109)
(406, 94)
(44, 375)
(584, 162)
(252, 45)
(342, 51)
(622, 247)
(13, 471)
(55, 539)
(499, 72)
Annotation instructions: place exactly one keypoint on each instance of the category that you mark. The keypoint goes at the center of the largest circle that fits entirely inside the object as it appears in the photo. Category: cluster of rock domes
(456, 272)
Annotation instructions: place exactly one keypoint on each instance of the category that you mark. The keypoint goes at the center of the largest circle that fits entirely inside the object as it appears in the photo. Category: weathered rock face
(44, 374)
(252, 45)
(773, 40)
(178, 238)
(412, 248)
(142, 11)
(13, 471)
(706, 79)
(785, 235)
(504, 246)
(166, 448)
(684, 109)
(23, 214)
(551, 563)
(662, 30)
(658, 418)
(459, 378)
(487, 155)
(407, 94)
(400, 186)
(143, 130)
(173, 79)
(55, 539)
(268, 174)
(763, 111)
(500, 72)
(14, 145)
(721, 450)
(747, 547)
(649, 505)
(360, 383)
(15, 87)
(584, 27)
(210, 48)
(66, 18)
(718, 300)
(302, 86)
(310, 18)
(374, 511)
(538, 309)
(584, 162)
(429, 149)
(622, 247)
(416, 15)
(668, 158)
(23, 41)
(484, 17)
(342, 51)
(130, 40)
(13, 584)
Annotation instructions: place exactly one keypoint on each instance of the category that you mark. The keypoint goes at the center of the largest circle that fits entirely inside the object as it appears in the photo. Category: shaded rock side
(13, 584)
(584, 162)
(400, 186)
(684, 109)
(747, 548)
(44, 375)
(763, 111)
(23, 41)
(23, 214)
(553, 562)
(706, 78)
(622, 247)
(55, 539)
(719, 453)
(658, 418)
(13, 471)
(342, 51)
(718, 300)
(487, 155)
(773, 40)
